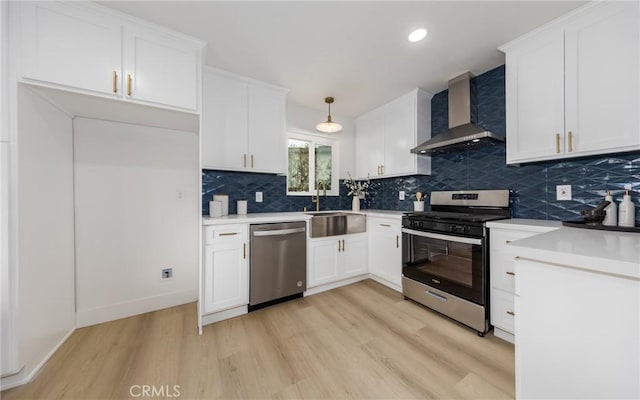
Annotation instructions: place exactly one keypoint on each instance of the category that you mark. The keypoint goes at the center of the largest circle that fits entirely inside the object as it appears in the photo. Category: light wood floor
(359, 341)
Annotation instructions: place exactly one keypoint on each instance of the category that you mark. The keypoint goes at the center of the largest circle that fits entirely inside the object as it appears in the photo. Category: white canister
(225, 202)
(611, 211)
(626, 211)
(242, 207)
(215, 209)
(418, 206)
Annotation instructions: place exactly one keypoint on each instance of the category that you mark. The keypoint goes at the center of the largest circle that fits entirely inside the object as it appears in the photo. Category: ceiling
(355, 51)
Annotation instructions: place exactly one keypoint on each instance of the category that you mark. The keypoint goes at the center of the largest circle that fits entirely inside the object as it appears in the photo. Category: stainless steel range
(446, 257)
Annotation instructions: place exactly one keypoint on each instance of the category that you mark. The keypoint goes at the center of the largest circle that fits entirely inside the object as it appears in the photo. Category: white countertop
(608, 252)
(524, 224)
(258, 218)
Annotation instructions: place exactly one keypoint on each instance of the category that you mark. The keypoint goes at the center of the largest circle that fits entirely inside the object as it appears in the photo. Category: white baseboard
(333, 285)
(135, 307)
(26, 376)
(222, 315)
(386, 283)
(504, 335)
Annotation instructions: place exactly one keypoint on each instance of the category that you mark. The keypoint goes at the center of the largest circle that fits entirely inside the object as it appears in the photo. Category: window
(312, 162)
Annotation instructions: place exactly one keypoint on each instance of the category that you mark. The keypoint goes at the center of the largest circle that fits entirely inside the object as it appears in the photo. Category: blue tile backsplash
(244, 185)
(533, 185)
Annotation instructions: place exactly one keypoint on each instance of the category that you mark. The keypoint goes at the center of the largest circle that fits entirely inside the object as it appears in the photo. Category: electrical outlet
(180, 195)
(258, 197)
(167, 273)
(401, 195)
(563, 192)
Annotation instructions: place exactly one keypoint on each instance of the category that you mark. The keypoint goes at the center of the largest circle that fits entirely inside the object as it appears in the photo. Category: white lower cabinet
(336, 258)
(502, 275)
(385, 251)
(577, 332)
(226, 272)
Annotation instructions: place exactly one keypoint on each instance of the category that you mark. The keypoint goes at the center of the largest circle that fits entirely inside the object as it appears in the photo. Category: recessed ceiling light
(417, 35)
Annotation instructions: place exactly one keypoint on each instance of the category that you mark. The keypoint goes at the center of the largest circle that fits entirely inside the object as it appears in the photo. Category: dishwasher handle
(279, 232)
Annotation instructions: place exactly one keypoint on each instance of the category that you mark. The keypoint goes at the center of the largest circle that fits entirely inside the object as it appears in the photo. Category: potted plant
(357, 189)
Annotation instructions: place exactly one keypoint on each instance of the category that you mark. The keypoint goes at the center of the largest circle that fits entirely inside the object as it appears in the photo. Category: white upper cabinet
(71, 45)
(573, 87)
(267, 137)
(243, 124)
(87, 48)
(225, 106)
(385, 136)
(160, 68)
(369, 143)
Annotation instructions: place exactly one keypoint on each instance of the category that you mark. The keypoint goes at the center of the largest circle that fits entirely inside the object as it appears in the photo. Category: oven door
(450, 263)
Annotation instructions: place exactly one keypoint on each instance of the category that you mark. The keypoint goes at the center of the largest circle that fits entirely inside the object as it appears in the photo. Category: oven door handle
(449, 238)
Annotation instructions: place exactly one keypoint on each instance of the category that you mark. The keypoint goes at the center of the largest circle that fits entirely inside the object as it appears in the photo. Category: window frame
(335, 157)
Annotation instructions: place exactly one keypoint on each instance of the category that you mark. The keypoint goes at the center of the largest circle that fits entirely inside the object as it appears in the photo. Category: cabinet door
(70, 45)
(385, 253)
(602, 85)
(224, 122)
(535, 98)
(369, 144)
(163, 68)
(323, 262)
(225, 276)
(400, 136)
(354, 256)
(267, 136)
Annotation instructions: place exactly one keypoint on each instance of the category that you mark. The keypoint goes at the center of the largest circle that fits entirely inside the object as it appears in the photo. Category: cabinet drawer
(500, 238)
(221, 234)
(503, 271)
(383, 225)
(502, 310)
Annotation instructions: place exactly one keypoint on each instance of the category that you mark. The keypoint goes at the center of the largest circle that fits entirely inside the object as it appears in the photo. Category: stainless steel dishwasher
(278, 263)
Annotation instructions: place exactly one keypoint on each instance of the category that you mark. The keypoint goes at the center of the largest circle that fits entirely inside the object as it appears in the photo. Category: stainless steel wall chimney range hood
(462, 133)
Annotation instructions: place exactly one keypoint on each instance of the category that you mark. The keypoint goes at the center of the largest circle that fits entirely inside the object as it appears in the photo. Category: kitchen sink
(336, 223)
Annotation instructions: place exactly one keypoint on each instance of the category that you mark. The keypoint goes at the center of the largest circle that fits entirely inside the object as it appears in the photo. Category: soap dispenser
(611, 218)
(626, 211)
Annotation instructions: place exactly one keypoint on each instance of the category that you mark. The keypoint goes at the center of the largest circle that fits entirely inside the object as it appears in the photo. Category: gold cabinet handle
(382, 169)
(511, 273)
(397, 241)
(570, 141)
(115, 81)
(378, 170)
(228, 233)
(244, 161)
(244, 251)
(252, 161)
(557, 143)
(128, 84)
(511, 313)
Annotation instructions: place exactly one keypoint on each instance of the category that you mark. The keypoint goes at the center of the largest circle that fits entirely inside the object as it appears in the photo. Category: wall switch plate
(258, 197)
(563, 192)
(167, 273)
(401, 195)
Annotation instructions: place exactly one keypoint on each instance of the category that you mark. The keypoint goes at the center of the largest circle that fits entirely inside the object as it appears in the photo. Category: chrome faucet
(324, 193)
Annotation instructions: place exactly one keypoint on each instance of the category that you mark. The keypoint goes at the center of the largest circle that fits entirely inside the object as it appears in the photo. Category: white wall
(7, 334)
(304, 120)
(46, 308)
(137, 212)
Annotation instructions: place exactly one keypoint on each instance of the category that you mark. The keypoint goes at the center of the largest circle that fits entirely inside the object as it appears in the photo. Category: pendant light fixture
(329, 126)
